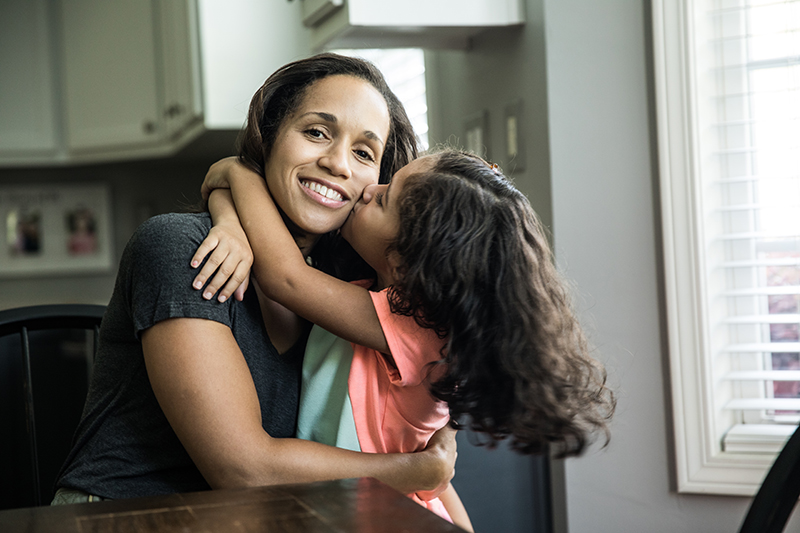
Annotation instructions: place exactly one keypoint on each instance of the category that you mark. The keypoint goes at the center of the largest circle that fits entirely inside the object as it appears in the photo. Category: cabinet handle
(174, 110)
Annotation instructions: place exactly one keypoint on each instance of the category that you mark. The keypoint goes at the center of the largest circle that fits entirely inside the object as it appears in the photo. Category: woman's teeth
(323, 190)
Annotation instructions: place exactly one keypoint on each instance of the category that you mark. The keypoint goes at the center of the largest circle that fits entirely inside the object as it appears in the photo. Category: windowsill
(757, 438)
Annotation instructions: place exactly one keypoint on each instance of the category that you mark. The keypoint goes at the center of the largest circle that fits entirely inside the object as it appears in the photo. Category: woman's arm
(342, 308)
(204, 387)
(455, 508)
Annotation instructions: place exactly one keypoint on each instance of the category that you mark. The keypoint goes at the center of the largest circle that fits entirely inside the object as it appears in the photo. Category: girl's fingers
(239, 293)
(212, 265)
(227, 265)
(220, 282)
(208, 244)
(233, 281)
(205, 191)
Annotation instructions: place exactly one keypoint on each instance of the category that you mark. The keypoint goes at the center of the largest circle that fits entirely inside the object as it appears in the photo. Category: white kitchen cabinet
(85, 81)
(130, 72)
(405, 23)
(27, 107)
(182, 104)
(108, 61)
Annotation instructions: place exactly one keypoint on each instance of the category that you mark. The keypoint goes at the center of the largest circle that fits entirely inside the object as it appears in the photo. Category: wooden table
(348, 505)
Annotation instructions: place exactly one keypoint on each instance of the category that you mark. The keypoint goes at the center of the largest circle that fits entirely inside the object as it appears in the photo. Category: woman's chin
(316, 229)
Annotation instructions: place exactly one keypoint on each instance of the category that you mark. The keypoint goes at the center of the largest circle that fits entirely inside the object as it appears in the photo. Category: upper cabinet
(405, 23)
(27, 93)
(92, 80)
(111, 91)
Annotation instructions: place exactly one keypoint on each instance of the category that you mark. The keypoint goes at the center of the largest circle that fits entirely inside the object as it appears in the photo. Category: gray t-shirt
(124, 447)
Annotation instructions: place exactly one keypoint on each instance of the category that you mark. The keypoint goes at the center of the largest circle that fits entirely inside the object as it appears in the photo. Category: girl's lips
(327, 194)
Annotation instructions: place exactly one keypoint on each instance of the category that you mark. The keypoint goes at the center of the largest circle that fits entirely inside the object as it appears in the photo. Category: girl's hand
(218, 175)
(231, 259)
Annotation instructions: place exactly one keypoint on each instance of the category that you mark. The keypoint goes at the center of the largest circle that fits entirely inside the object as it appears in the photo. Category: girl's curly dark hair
(476, 266)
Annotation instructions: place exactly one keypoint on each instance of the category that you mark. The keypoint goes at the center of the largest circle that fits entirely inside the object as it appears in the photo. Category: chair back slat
(21, 322)
(30, 418)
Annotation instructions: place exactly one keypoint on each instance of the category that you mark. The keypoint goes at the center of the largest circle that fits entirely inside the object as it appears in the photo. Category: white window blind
(728, 84)
(751, 201)
(404, 70)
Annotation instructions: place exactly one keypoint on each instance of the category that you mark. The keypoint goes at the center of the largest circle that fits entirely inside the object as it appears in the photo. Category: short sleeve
(412, 346)
(156, 268)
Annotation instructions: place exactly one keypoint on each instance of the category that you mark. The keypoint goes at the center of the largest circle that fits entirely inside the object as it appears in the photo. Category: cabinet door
(27, 112)
(109, 73)
(180, 65)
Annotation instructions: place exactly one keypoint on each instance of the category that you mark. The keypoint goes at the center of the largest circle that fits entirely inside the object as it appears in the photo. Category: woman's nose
(336, 161)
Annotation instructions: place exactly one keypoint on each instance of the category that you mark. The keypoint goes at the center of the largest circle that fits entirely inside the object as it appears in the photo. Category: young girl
(466, 320)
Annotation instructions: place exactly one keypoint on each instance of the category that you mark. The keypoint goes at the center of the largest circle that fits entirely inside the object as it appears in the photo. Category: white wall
(606, 219)
(582, 68)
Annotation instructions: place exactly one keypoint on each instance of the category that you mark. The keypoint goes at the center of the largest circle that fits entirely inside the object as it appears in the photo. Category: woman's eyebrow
(373, 136)
(327, 117)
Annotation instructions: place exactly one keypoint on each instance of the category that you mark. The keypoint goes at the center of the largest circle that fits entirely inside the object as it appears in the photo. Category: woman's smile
(325, 192)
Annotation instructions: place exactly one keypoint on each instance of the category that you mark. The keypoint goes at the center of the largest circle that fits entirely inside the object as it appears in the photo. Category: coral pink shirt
(392, 406)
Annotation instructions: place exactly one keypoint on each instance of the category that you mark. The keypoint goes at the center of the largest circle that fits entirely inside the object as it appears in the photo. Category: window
(404, 70)
(728, 100)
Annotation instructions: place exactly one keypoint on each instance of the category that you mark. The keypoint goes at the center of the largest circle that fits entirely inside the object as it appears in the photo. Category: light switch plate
(476, 134)
(514, 156)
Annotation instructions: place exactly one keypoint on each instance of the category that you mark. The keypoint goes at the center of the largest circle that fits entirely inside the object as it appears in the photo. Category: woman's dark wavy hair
(281, 95)
(475, 265)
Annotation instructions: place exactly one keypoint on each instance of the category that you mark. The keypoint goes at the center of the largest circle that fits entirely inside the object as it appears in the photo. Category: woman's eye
(379, 198)
(313, 132)
(363, 154)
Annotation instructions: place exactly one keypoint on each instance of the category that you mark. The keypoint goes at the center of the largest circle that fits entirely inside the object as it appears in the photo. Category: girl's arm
(231, 256)
(203, 385)
(455, 508)
(342, 308)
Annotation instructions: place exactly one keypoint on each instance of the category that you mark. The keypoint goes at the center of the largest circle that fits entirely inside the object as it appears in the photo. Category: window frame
(702, 466)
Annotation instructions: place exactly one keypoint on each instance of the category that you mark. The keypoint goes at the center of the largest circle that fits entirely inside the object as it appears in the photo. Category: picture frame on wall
(53, 229)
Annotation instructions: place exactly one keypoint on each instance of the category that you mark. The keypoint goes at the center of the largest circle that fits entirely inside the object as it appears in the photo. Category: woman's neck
(304, 240)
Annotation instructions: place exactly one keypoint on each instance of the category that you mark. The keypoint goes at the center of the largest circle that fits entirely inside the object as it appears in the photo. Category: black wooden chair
(45, 360)
(775, 500)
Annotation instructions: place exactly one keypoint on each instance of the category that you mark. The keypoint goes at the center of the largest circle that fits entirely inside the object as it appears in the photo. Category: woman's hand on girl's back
(443, 451)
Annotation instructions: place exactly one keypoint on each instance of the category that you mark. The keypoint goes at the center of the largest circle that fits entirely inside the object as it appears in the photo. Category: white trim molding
(703, 466)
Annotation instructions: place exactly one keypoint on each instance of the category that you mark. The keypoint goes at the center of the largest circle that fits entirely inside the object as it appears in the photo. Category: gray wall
(605, 213)
(139, 189)
(583, 69)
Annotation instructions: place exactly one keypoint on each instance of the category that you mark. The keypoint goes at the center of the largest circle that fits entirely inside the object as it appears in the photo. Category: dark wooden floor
(351, 505)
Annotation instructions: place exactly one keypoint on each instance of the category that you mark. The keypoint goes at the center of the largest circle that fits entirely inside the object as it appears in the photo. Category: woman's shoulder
(182, 220)
(170, 226)
(165, 236)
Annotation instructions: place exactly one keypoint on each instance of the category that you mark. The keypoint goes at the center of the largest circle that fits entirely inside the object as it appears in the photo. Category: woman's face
(327, 151)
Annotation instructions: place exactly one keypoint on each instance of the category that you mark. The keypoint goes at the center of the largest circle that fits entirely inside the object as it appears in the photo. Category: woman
(189, 393)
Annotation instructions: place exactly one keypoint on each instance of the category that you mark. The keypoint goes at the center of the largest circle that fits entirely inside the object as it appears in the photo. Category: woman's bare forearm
(205, 389)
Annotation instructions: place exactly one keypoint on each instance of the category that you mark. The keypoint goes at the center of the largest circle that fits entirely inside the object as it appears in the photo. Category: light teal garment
(326, 415)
